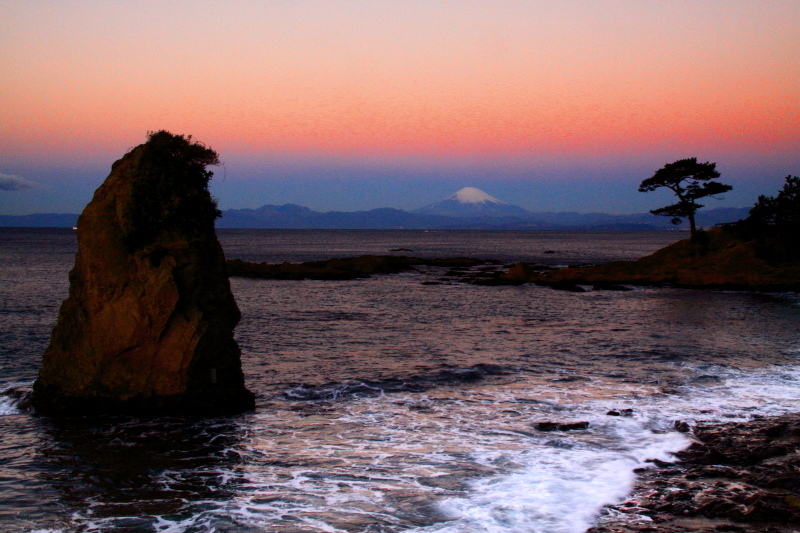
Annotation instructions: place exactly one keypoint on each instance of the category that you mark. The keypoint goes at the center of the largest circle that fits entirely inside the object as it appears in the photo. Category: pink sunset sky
(348, 105)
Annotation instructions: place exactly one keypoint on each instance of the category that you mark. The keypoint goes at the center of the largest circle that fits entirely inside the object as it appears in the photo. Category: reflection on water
(397, 328)
(100, 470)
(386, 405)
(547, 247)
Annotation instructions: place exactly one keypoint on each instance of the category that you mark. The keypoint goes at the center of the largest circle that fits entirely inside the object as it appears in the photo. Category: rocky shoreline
(720, 260)
(741, 477)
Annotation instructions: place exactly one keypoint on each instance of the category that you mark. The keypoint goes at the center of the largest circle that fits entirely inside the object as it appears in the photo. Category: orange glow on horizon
(446, 80)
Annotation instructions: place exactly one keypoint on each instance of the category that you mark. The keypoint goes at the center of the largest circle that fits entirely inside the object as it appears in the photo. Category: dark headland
(721, 258)
(761, 252)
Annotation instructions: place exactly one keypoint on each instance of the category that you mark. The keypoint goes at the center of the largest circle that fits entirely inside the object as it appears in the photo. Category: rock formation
(734, 477)
(148, 324)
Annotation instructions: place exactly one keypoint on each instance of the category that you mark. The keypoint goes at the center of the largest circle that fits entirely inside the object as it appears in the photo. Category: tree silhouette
(782, 211)
(689, 180)
(774, 223)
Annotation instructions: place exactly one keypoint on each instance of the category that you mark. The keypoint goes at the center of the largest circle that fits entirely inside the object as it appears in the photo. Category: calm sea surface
(389, 405)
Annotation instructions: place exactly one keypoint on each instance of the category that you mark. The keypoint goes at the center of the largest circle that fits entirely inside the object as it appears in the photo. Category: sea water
(392, 405)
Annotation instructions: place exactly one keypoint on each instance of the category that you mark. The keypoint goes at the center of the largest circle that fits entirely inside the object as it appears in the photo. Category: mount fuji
(472, 202)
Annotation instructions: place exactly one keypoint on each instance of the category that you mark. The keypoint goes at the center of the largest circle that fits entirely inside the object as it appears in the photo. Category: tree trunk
(692, 227)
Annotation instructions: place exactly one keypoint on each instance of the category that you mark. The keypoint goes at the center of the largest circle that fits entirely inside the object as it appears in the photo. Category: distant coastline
(39, 220)
(290, 216)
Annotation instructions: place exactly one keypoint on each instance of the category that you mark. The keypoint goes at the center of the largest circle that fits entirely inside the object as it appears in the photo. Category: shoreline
(739, 477)
(719, 261)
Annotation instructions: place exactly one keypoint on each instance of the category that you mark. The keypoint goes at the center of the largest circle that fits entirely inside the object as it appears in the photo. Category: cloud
(10, 182)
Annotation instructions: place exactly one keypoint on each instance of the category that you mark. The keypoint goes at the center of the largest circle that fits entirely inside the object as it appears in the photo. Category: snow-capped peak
(471, 195)
(472, 202)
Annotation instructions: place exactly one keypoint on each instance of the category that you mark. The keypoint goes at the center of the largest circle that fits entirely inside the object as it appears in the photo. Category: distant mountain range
(469, 208)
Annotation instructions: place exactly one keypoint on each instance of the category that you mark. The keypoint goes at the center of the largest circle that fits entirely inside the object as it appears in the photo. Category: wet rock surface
(147, 328)
(561, 426)
(736, 477)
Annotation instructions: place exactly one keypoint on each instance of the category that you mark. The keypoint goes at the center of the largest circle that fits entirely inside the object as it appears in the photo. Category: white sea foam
(726, 394)
(563, 489)
(531, 481)
(564, 483)
(460, 459)
(560, 491)
(8, 406)
(9, 403)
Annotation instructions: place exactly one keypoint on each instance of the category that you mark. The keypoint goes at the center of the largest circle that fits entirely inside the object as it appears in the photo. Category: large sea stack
(147, 328)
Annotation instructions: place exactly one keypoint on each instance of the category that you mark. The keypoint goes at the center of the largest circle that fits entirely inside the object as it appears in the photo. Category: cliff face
(148, 324)
(722, 261)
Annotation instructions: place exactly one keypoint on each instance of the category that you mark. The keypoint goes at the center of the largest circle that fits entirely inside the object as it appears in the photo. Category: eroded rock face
(148, 324)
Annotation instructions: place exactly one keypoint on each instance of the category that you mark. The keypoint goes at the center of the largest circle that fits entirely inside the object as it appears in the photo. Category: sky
(357, 104)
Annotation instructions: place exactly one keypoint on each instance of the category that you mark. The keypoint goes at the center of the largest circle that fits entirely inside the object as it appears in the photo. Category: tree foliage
(689, 181)
(774, 223)
(171, 190)
(781, 211)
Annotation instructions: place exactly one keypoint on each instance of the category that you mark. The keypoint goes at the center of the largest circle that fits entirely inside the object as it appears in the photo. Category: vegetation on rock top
(172, 190)
(774, 223)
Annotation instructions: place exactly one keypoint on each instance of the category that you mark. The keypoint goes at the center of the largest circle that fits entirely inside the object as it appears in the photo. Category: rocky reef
(719, 260)
(344, 268)
(148, 325)
(734, 477)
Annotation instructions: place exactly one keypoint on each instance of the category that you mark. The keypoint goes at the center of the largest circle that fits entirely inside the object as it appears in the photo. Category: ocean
(392, 404)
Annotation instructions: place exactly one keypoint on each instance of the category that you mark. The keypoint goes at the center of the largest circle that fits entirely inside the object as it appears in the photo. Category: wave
(15, 398)
(336, 391)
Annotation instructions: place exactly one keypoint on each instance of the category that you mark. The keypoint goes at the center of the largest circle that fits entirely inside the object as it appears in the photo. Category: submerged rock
(346, 268)
(148, 324)
(561, 426)
(362, 266)
(610, 287)
(566, 286)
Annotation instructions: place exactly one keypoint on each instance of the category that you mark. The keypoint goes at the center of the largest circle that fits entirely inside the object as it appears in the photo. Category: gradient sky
(350, 104)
